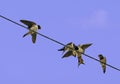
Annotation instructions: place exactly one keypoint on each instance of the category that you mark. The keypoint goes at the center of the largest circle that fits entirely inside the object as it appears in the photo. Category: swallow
(80, 51)
(102, 62)
(67, 47)
(33, 27)
(70, 48)
(70, 53)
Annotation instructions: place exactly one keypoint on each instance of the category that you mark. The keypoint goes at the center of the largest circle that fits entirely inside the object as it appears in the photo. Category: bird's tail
(80, 61)
(104, 67)
(104, 70)
(26, 34)
(62, 49)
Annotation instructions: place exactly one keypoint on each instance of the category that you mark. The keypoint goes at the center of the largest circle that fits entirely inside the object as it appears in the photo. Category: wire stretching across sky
(34, 31)
(57, 42)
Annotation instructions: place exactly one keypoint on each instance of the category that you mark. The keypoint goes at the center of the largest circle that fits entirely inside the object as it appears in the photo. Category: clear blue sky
(78, 21)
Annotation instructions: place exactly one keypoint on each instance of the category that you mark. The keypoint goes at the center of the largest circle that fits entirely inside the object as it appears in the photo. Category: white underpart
(80, 50)
(34, 28)
(74, 53)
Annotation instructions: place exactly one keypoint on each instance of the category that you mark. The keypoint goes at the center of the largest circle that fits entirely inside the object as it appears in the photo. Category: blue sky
(78, 21)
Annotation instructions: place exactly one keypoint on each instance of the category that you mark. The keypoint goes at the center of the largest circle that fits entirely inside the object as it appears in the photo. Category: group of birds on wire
(69, 49)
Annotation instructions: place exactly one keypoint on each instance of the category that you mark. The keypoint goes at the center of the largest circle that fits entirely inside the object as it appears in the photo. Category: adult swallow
(69, 48)
(102, 62)
(80, 51)
(32, 26)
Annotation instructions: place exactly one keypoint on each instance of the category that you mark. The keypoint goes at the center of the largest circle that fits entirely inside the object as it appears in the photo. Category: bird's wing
(67, 54)
(84, 46)
(69, 43)
(28, 23)
(26, 34)
(34, 37)
(62, 49)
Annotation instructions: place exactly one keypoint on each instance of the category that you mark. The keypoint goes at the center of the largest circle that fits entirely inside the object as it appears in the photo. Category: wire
(34, 31)
(101, 62)
(59, 42)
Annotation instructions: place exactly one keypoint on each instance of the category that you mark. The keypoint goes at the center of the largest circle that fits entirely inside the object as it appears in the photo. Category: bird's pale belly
(80, 50)
(34, 28)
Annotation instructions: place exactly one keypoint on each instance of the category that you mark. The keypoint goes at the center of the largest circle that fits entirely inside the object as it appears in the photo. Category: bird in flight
(33, 27)
(102, 62)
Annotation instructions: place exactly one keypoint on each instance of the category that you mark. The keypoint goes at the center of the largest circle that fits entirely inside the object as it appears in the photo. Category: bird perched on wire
(102, 62)
(69, 49)
(80, 51)
(33, 27)
(73, 50)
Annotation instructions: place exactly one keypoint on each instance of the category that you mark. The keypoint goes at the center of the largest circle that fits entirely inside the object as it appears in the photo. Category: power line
(58, 42)
(102, 62)
(34, 31)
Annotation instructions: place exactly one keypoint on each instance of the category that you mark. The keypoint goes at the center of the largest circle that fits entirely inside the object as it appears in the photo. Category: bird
(68, 47)
(76, 51)
(69, 53)
(33, 27)
(80, 51)
(102, 62)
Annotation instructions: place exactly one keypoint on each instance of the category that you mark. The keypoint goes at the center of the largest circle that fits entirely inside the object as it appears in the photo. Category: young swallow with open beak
(102, 62)
(80, 50)
(32, 26)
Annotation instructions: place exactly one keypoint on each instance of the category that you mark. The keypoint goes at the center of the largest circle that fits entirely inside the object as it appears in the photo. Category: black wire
(34, 31)
(58, 42)
(13, 21)
(101, 62)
